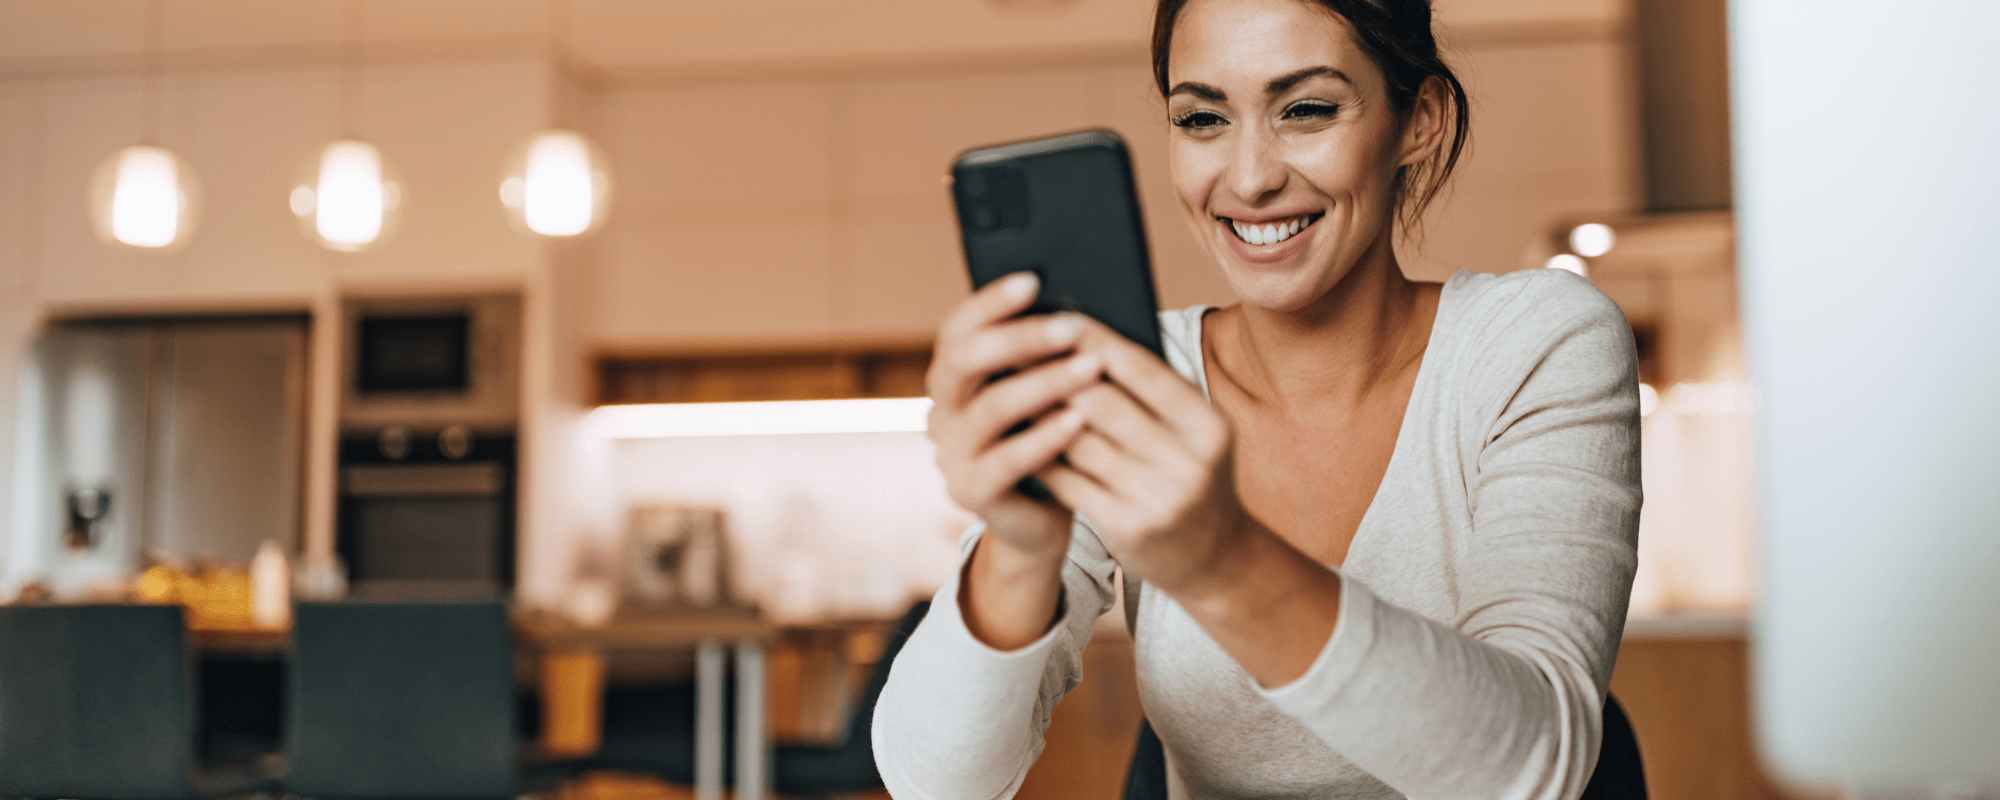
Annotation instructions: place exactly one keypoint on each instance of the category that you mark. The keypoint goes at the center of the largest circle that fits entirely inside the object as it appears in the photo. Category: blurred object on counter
(320, 576)
(34, 593)
(678, 556)
(216, 597)
(593, 595)
(158, 584)
(222, 601)
(270, 587)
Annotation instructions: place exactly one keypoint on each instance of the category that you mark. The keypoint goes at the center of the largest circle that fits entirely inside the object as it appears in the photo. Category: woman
(1383, 531)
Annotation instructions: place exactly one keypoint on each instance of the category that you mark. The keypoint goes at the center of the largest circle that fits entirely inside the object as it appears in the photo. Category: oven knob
(394, 442)
(455, 442)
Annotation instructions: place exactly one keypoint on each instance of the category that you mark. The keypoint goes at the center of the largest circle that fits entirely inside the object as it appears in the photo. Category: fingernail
(1064, 328)
(1021, 285)
(1086, 364)
(1072, 418)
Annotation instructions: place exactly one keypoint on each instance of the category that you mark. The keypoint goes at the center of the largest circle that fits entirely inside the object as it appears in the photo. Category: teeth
(1269, 234)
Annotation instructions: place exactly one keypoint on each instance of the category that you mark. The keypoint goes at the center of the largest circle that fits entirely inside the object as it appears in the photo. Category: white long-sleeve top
(1483, 596)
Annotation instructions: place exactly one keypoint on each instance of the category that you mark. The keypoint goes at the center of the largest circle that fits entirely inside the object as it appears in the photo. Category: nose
(1255, 170)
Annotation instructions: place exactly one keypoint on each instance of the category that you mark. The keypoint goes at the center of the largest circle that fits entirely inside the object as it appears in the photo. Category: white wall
(809, 205)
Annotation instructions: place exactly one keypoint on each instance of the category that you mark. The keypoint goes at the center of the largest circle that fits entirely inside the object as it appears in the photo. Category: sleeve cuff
(1338, 661)
(954, 631)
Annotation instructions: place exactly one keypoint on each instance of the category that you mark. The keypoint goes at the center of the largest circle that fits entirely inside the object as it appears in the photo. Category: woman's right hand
(1013, 580)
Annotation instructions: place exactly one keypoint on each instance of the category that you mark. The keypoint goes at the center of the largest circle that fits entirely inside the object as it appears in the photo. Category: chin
(1276, 293)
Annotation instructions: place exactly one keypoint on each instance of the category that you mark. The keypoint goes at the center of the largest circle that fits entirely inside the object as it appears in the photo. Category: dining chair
(401, 700)
(1619, 775)
(98, 702)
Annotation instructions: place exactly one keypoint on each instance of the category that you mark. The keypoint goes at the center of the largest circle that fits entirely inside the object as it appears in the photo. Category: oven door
(444, 526)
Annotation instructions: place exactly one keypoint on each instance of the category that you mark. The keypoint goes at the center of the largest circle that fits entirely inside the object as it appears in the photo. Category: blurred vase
(270, 587)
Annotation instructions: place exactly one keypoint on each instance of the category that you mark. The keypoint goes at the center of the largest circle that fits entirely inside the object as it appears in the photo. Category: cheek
(1194, 169)
(1346, 167)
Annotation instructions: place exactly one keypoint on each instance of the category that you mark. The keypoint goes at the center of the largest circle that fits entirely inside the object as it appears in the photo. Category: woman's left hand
(1153, 469)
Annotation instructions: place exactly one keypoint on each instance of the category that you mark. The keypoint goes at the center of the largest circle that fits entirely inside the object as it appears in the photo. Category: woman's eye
(1198, 120)
(1311, 110)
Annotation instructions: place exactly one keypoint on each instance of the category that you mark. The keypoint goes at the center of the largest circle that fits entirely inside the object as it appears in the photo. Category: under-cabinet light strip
(775, 418)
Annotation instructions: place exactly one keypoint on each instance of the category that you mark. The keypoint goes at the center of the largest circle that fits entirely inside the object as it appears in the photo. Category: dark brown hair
(1397, 34)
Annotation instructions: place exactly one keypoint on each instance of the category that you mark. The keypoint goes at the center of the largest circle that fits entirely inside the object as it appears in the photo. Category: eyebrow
(1284, 83)
(1278, 85)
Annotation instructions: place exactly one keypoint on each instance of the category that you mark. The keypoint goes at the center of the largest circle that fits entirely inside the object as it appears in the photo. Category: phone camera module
(993, 198)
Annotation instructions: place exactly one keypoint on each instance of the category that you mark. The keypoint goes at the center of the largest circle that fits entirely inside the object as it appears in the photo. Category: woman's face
(1284, 145)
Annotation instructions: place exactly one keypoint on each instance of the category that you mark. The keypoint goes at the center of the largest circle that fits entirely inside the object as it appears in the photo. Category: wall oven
(428, 443)
(423, 508)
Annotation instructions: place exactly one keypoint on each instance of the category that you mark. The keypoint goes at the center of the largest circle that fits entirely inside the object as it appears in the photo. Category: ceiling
(57, 37)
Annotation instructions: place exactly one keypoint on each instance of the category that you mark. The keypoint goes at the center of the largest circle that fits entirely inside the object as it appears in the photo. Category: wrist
(1009, 597)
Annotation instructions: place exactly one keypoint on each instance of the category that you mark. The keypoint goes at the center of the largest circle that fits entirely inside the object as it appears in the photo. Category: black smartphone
(1066, 209)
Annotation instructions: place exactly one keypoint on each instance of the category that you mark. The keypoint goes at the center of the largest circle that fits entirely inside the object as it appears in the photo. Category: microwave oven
(432, 362)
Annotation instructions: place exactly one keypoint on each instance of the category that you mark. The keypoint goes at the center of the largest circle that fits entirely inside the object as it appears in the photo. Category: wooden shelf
(786, 373)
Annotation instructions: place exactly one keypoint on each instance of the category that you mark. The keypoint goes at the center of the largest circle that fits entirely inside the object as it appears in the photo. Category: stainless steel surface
(708, 720)
(419, 480)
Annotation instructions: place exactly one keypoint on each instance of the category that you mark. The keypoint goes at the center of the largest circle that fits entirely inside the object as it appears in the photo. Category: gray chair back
(96, 701)
(401, 700)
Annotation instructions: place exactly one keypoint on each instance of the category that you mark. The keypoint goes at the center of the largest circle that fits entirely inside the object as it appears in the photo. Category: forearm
(1010, 597)
(960, 718)
(1268, 605)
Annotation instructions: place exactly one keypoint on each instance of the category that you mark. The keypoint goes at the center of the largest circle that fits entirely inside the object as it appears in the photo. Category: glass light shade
(556, 184)
(143, 197)
(1592, 239)
(347, 198)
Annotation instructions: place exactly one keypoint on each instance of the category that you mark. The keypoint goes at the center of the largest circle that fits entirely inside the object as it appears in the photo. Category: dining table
(570, 664)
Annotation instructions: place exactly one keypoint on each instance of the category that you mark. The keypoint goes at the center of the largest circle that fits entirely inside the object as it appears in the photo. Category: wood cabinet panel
(822, 374)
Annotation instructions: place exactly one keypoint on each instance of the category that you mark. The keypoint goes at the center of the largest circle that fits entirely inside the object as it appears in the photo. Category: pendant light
(347, 197)
(556, 182)
(144, 197)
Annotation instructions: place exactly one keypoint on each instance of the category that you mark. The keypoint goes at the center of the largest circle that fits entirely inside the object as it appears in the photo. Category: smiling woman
(1377, 536)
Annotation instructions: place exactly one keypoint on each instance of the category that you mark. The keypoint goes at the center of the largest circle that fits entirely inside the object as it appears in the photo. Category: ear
(1423, 129)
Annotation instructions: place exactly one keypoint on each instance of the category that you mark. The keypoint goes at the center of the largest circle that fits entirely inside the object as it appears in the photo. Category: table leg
(708, 720)
(753, 748)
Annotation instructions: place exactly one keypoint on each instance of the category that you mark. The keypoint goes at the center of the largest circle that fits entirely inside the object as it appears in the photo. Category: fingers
(996, 301)
(1121, 419)
(1017, 397)
(993, 473)
(1077, 490)
(1164, 393)
(963, 364)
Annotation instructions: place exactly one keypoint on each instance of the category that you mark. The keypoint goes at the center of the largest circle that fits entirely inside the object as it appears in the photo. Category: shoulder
(1498, 330)
(1482, 304)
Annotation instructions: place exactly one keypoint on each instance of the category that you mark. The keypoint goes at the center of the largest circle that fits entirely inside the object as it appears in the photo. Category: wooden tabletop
(630, 630)
(649, 630)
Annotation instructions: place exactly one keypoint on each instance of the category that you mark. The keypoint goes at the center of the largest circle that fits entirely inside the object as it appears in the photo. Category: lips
(1271, 231)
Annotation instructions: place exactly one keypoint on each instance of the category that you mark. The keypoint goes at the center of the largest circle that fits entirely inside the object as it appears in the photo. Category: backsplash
(820, 526)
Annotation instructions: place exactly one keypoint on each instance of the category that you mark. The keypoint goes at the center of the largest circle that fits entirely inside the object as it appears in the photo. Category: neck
(1352, 341)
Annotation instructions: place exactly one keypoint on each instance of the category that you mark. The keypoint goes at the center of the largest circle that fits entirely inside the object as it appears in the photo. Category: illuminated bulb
(556, 184)
(1568, 263)
(1591, 240)
(659, 420)
(347, 199)
(142, 197)
(1649, 399)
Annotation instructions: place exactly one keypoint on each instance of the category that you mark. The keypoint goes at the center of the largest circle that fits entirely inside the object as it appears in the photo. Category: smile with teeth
(1271, 232)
